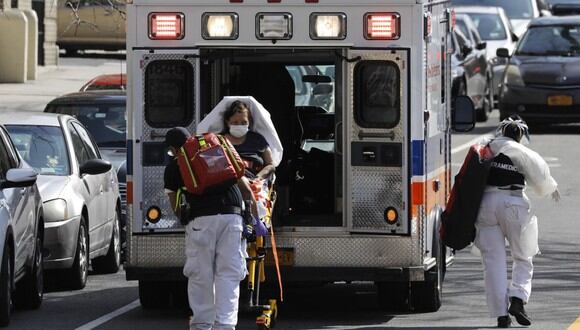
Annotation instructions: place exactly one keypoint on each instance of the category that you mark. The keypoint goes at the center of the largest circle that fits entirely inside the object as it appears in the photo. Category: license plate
(560, 100)
(285, 257)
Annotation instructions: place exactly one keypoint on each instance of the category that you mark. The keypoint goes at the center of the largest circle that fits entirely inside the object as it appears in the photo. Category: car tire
(30, 290)
(110, 263)
(79, 272)
(5, 287)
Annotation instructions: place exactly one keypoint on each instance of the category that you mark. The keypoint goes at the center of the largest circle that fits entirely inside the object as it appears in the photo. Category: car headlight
(513, 76)
(55, 210)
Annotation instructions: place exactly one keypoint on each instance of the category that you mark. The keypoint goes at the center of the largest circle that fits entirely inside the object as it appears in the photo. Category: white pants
(503, 216)
(214, 267)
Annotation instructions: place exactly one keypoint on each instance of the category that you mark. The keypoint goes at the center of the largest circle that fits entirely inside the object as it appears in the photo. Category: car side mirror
(95, 167)
(322, 89)
(481, 45)
(515, 38)
(19, 178)
(462, 114)
(502, 52)
(466, 50)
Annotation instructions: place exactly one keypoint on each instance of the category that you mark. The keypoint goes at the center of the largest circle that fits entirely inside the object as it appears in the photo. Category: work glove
(556, 196)
(249, 233)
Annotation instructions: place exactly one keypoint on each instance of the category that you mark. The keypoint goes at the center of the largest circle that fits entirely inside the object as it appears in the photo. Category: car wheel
(5, 287)
(29, 291)
(111, 262)
(80, 270)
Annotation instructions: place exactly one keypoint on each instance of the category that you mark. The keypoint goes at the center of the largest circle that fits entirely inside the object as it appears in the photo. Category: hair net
(262, 123)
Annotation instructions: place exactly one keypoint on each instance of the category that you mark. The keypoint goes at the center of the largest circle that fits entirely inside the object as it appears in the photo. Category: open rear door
(376, 134)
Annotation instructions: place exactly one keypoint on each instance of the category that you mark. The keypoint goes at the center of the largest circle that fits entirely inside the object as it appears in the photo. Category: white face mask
(239, 130)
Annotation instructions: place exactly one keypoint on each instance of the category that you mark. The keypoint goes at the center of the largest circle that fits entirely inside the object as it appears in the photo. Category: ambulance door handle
(369, 155)
(338, 138)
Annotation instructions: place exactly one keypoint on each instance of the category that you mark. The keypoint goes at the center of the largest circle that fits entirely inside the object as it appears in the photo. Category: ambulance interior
(301, 90)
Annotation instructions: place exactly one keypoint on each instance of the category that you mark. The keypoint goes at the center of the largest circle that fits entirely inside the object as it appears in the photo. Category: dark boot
(517, 310)
(504, 321)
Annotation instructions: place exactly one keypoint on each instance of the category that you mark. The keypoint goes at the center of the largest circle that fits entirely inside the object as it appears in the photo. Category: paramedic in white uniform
(215, 252)
(505, 214)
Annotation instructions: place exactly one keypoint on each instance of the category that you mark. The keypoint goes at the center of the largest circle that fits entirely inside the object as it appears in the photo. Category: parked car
(470, 71)
(520, 12)
(542, 76)
(495, 29)
(107, 82)
(91, 24)
(81, 202)
(103, 113)
(21, 232)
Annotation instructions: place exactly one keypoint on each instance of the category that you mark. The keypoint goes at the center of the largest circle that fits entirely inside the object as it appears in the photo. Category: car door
(99, 225)
(16, 200)
(91, 189)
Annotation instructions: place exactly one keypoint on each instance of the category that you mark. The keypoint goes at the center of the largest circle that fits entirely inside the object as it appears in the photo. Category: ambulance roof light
(382, 26)
(222, 26)
(274, 26)
(166, 26)
(327, 26)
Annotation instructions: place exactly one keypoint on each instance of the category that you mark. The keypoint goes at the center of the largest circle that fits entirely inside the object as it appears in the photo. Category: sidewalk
(53, 81)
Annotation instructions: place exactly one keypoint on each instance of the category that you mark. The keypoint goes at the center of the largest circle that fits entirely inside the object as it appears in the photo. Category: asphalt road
(110, 302)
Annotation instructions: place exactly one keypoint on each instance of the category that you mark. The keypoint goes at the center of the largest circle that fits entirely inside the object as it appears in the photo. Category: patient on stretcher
(247, 125)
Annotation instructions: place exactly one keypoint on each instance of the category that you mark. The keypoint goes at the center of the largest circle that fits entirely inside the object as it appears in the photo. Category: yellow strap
(201, 141)
(188, 166)
(177, 199)
(231, 156)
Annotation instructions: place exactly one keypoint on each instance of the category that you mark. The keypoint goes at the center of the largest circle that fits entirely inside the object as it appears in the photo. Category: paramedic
(251, 146)
(214, 248)
(505, 214)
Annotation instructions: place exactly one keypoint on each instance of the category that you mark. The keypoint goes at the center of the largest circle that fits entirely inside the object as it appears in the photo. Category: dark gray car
(542, 77)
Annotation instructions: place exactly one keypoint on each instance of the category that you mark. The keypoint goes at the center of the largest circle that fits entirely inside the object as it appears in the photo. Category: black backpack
(457, 229)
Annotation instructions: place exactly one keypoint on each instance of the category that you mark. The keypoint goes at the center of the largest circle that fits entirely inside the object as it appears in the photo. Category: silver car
(21, 233)
(79, 190)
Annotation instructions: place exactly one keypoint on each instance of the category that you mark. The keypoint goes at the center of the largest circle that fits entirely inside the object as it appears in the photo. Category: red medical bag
(209, 163)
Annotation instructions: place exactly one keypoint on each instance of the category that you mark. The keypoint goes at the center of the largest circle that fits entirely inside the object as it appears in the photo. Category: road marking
(575, 325)
(106, 318)
(470, 143)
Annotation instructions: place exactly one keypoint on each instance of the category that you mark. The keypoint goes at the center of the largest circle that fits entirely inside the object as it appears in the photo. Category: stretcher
(265, 196)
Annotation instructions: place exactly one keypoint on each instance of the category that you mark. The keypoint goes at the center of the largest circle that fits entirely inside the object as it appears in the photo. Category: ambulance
(360, 95)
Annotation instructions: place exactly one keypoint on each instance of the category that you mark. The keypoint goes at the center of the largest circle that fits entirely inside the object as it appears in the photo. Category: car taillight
(166, 26)
(382, 26)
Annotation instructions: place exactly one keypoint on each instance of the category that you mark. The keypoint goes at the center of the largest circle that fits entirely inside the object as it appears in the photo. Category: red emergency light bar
(166, 26)
(382, 26)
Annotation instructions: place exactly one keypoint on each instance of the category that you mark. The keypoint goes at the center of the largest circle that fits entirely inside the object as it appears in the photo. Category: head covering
(176, 137)
(513, 127)
(262, 123)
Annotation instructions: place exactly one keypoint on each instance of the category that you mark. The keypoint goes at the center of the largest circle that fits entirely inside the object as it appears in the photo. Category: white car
(495, 29)
(79, 190)
(21, 232)
(519, 12)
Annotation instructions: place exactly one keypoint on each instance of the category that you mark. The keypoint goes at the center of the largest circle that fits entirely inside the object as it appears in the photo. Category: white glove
(556, 196)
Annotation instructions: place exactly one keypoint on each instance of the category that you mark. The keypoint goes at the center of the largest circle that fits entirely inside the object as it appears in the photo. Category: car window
(12, 153)
(489, 26)
(107, 123)
(79, 147)
(514, 9)
(92, 150)
(4, 160)
(42, 147)
(551, 40)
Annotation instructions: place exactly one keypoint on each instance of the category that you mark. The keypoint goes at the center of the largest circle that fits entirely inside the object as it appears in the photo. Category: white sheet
(262, 123)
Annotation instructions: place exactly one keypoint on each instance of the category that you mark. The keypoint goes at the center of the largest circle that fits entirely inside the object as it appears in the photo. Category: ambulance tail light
(328, 26)
(166, 26)
(220, 26)
(382, 26)
(274, 26)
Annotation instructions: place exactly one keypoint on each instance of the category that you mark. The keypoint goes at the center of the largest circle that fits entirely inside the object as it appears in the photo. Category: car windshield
(551, 40)
(107, 123)
(514, 9)
(42, 147)
(489, 26)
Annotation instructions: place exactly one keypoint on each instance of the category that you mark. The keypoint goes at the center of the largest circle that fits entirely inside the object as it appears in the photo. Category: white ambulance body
(359, 92)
